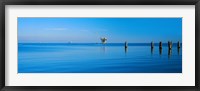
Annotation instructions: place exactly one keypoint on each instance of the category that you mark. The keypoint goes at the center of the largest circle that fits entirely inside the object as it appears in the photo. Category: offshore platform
(103, 40)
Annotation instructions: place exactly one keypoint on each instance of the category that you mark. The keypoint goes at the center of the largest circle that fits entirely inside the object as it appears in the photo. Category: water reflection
(152, 50)
(126, 50)
(169, 53)
(168, 50)
(178, 49)
(103, 48)
(160, 51)
(87, 58)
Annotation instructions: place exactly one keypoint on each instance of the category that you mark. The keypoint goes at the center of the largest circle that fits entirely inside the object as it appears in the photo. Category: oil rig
(103, 40)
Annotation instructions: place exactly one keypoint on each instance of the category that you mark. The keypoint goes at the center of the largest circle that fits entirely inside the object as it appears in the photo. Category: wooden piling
(169, 45)
(126, 44)
(160, 45)
(152, 44)
(178, 45)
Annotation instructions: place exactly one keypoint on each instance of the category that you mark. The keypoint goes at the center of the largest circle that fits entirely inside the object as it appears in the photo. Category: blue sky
(89, 30)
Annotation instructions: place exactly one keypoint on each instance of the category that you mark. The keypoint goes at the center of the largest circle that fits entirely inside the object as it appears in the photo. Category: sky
(90, 30)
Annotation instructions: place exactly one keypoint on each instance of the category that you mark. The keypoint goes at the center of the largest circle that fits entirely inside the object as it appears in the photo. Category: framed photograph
(105, 45)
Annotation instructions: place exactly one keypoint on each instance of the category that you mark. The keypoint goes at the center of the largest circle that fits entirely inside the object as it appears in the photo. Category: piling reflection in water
(169, 48)
(160, 46)
(160, 51)
(178, 49)
(152, 51)
(126, 50)
(169, 53)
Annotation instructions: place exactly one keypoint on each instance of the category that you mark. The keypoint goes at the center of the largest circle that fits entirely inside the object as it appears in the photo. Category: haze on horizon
(90, 30)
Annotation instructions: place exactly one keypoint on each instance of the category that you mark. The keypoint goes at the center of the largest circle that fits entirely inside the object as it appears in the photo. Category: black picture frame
(3, 3)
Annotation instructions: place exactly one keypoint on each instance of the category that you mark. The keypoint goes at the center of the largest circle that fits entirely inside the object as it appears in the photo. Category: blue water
(97, 58)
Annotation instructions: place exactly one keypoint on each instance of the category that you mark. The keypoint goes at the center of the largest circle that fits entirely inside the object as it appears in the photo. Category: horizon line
(94, 42)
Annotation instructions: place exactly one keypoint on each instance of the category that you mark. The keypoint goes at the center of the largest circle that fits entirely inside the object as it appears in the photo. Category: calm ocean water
(97, 58)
